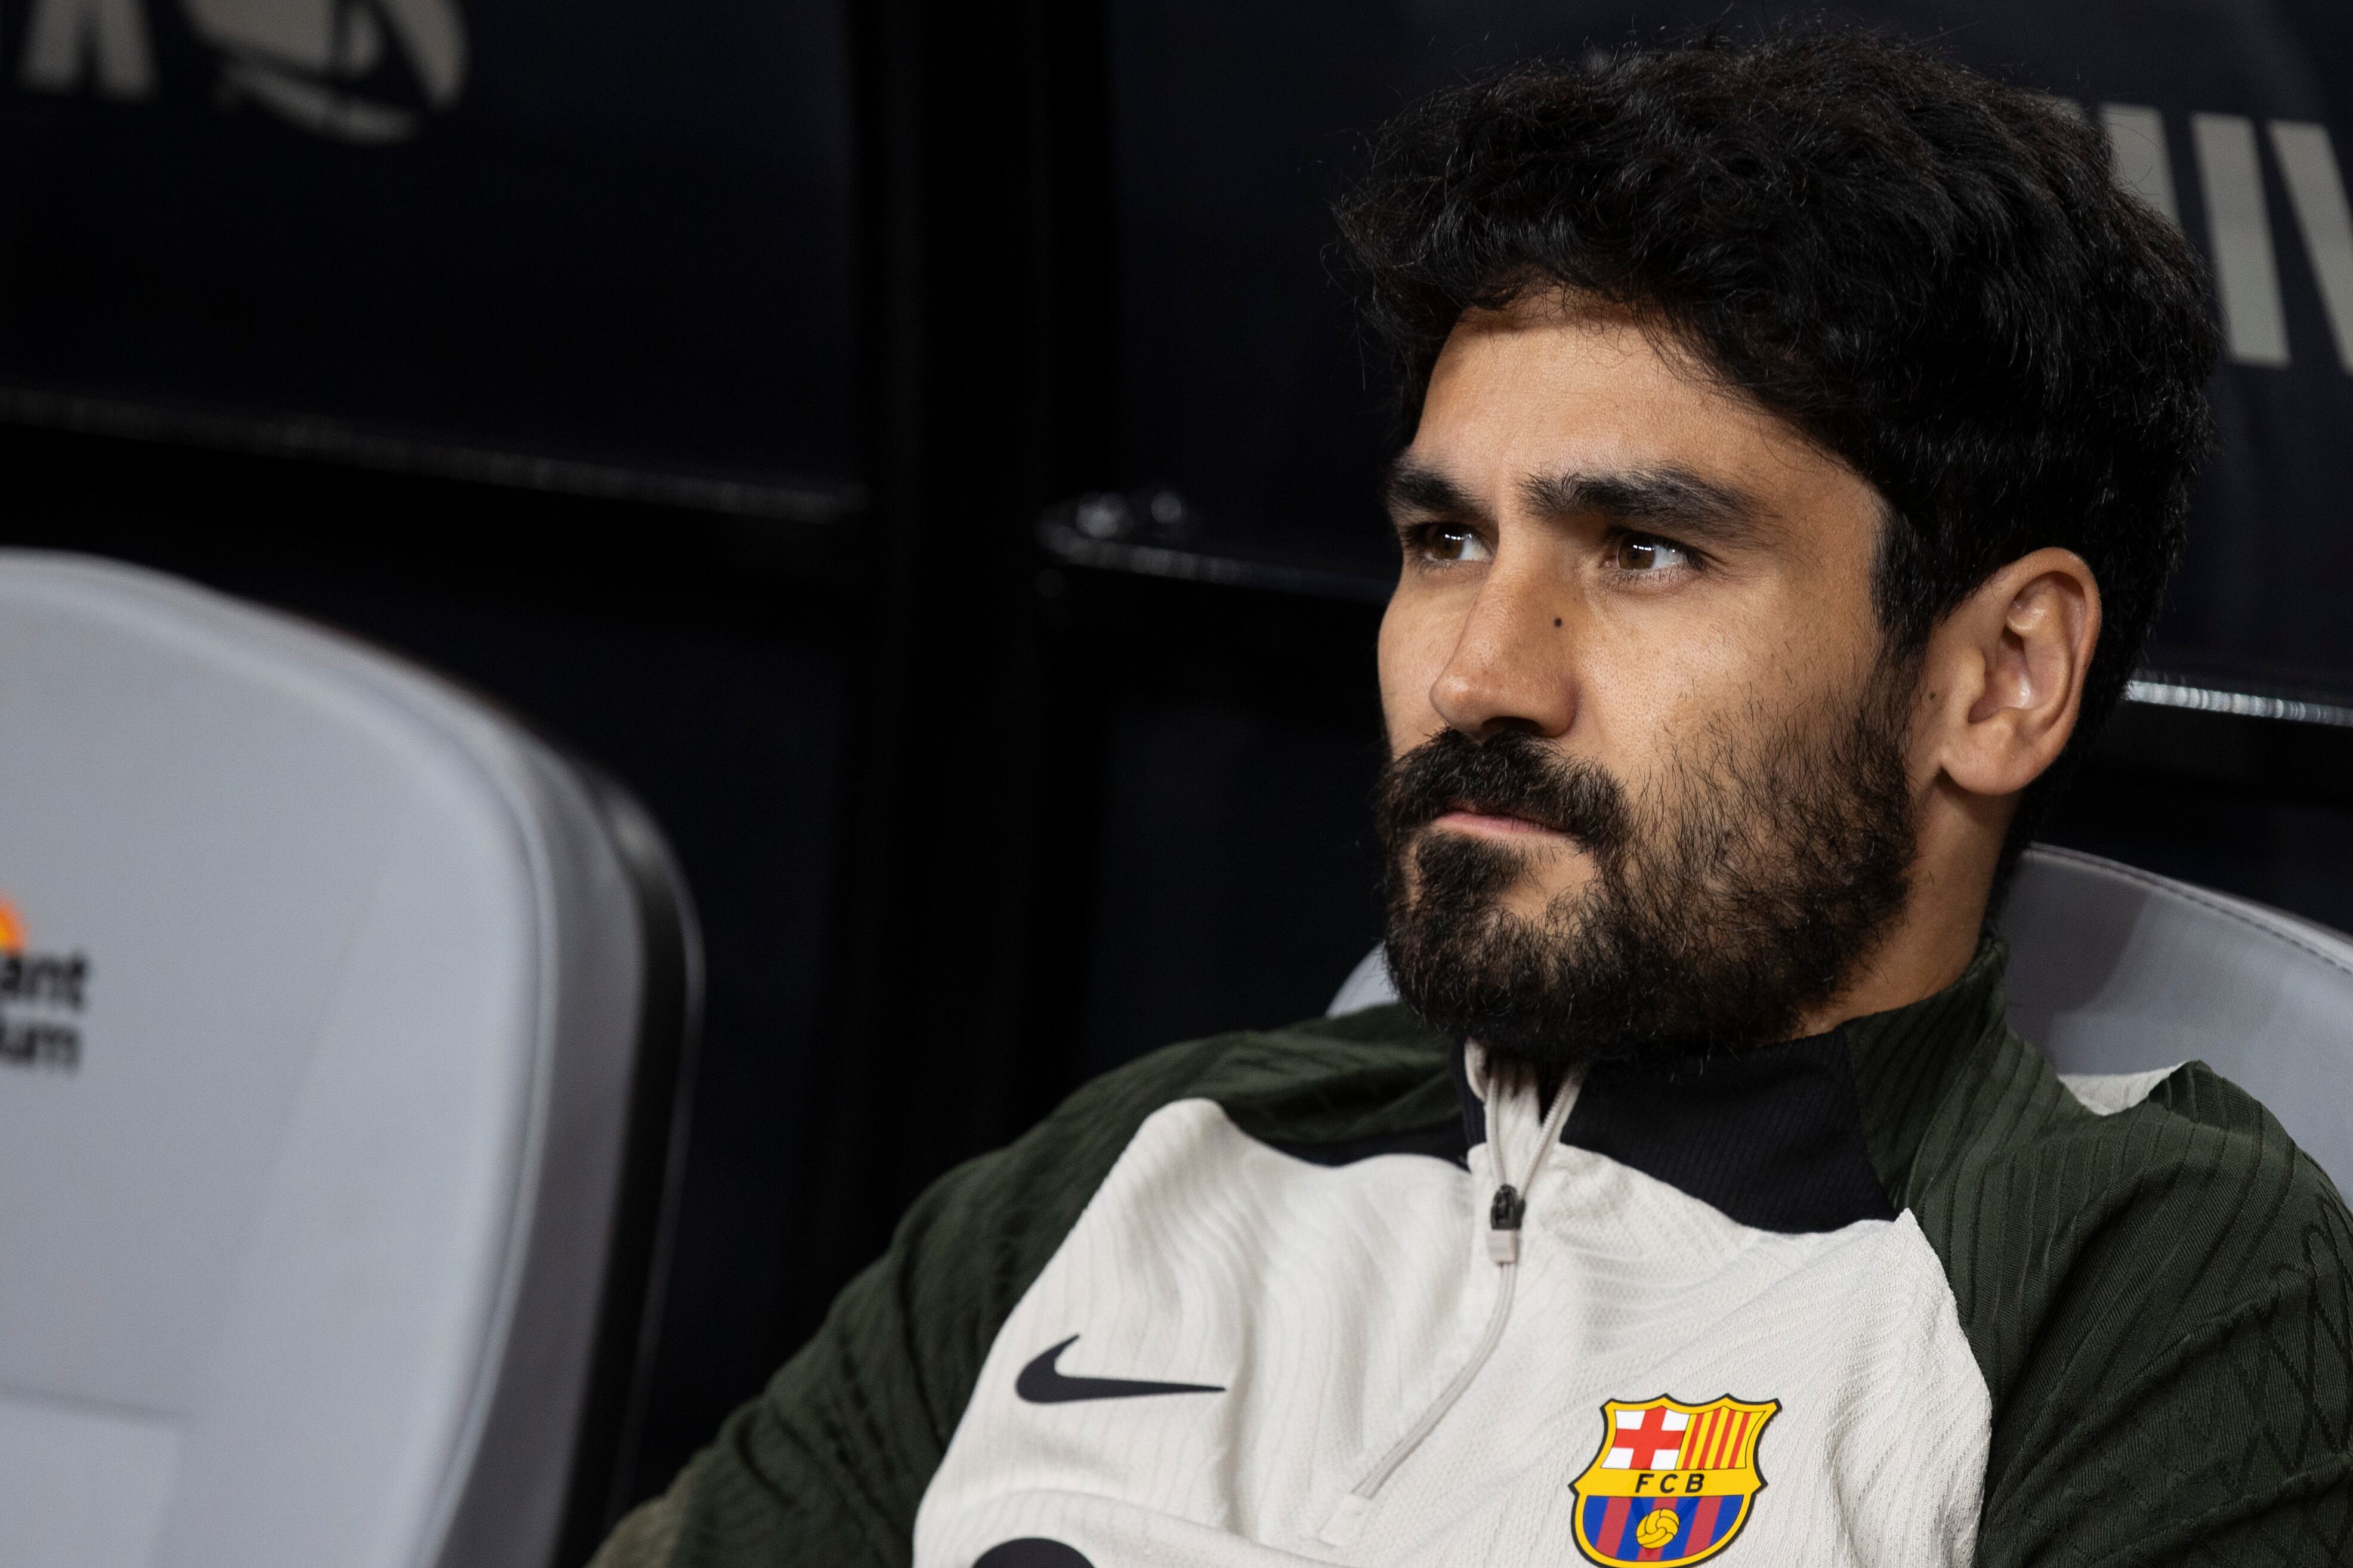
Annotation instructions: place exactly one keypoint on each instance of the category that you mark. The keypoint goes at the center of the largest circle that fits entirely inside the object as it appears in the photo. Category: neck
(1931, 942)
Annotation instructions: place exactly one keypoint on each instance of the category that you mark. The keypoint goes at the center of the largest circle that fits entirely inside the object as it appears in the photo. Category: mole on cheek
(1555, 620)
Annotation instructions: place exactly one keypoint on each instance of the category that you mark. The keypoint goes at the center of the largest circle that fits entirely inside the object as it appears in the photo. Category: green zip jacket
(1893, 1294)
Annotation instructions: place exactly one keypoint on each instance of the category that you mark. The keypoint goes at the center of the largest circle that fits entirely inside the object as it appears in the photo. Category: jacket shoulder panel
(2161, 1300)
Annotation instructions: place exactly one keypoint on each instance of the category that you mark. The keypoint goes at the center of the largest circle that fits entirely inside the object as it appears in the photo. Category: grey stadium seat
(341, 1022)
(2120, 975)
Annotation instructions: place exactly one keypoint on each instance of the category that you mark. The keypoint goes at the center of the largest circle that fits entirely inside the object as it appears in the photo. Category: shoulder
(975, 1241)
(2190, 1213)
(2160, 1294)
(1363, 1053)
(2185, 1202)
(1325, 1081)
(2193, 1205)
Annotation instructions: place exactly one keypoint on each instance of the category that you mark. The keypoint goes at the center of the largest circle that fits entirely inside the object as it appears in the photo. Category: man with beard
(1801, 438)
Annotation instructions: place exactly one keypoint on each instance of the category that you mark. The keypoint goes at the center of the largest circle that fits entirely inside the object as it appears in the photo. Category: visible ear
(2005, 672)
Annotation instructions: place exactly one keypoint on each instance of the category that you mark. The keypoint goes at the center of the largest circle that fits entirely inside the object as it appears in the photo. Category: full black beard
(1743, 893)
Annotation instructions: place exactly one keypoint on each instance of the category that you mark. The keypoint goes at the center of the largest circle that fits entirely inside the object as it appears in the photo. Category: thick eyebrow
(1675, 501)
(1412, 486)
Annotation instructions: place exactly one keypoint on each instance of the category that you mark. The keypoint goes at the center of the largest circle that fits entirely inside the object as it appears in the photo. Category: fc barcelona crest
(1673, 1482)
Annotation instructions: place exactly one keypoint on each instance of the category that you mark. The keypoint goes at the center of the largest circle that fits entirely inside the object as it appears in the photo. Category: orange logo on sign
(12, 928)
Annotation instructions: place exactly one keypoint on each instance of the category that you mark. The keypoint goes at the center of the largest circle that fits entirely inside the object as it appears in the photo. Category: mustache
(1511, 774)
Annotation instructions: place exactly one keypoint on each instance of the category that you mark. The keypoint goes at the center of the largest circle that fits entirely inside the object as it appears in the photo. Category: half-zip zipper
(1505, 1211)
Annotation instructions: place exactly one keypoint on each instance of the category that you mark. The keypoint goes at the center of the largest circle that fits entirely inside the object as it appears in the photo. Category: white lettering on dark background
(328, 66)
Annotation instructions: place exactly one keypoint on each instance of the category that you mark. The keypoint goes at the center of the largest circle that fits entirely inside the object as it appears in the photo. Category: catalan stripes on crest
(1722, 1438)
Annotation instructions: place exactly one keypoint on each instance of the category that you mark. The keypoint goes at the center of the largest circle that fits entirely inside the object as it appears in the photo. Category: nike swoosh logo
(1039, 1383)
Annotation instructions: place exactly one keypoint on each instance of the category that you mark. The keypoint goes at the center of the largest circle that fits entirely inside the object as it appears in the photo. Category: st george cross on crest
(1673, 1482)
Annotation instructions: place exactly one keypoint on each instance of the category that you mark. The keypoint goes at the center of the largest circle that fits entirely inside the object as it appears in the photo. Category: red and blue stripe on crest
(1700, 1523)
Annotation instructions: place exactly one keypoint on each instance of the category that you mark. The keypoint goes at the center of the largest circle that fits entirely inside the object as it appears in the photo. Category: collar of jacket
(1801, 1135)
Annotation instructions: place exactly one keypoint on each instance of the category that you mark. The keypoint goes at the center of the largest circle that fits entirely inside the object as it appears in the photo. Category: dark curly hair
(1931, 274)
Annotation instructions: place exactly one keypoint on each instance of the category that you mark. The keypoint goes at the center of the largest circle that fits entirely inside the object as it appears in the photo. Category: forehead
(1546, 388)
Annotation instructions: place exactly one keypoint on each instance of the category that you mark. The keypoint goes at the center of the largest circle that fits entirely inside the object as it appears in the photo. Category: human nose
(1511, 666)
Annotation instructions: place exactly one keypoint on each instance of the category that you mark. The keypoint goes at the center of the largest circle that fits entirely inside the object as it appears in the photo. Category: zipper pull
(1504, 1218)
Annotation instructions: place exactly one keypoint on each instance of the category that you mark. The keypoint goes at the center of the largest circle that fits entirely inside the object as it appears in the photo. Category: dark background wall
(924, 456)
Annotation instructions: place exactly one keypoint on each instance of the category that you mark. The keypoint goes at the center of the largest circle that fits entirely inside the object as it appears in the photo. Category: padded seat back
(320, 989)
(2115, 971)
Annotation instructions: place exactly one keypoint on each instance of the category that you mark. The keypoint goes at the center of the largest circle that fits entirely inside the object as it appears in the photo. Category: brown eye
(1638, 552)
(1452, 545)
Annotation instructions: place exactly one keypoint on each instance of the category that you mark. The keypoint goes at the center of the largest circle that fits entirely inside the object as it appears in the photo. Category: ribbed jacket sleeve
(2160, 1301)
